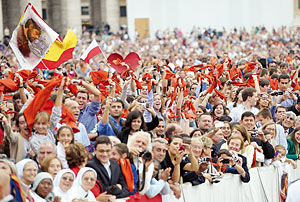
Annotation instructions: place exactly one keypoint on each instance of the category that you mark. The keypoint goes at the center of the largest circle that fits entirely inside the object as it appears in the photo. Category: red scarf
(127, 173)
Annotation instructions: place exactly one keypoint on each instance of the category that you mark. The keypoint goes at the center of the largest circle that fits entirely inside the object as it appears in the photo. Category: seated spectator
(77, 157)
(196, 177)
(5, 188)
(172, 129)
(8, 167)
(288, 122)
(111, 122)
(44, 125)
(64, 138)
(196, 133)
(174, 160)
(257, 138)
(81, 136)
(279, 114)
(85, 181)
(109, 173)
(19, 140)
(42, 188)
(44, 150)
(135, 122)
(274, 138)
(140, 148)
(52, 165)
(27, 170)
(160, 186)
(227, 164)
(120, 154)
(160, 129)
(204, 122)
(248, 152)
(63, 183)
(294, 144)
(264, 117)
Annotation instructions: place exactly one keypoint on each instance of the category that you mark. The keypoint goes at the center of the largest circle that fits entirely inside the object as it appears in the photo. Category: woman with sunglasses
(63, 183)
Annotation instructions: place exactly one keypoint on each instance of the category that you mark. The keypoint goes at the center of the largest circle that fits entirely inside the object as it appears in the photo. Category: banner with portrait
(32, 38)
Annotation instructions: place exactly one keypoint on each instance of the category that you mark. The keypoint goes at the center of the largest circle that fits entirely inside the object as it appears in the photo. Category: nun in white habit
(63, 183)
(85, 181)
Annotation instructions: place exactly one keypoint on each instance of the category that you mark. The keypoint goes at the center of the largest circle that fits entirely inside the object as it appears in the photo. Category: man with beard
(111, 122)
(205, 122)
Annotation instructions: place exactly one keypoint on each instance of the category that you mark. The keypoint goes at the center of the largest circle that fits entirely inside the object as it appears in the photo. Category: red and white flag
(93, 50)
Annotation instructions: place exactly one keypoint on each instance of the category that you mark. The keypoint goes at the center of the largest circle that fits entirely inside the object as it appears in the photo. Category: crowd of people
(200, 105)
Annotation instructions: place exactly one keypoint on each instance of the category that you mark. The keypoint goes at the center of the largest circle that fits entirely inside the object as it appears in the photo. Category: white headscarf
(60, 174)
(20, 166)
(39, 178)
(77, 189)
(65, 196)
(78, 181)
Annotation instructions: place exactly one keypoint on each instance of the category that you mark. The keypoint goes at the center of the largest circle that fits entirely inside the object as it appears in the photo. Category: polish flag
(93, 50)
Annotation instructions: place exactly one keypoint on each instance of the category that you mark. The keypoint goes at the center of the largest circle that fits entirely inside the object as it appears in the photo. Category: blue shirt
(107, 129)
(288, 102)
(88, 116)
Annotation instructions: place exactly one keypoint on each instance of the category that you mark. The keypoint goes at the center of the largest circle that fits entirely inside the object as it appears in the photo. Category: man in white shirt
(250, 98)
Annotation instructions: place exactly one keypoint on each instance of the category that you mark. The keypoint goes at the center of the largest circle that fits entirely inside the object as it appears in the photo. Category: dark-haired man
(88, 112)
(108, 171)
(111, 122)
(288, 99)
(249, 96)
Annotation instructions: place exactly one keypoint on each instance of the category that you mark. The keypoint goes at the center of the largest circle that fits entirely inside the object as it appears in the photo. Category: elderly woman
(52, 165)
(42, 188)
(27, 170)
(85, 181)
(63, 183)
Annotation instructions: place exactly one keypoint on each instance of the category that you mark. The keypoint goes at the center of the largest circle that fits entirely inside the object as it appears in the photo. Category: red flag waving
(93, 50)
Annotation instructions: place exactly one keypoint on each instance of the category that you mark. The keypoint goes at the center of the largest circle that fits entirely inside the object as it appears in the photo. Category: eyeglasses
(89, 179)
(31, 170)
(104, 151)
(67, 178)
(290, 118)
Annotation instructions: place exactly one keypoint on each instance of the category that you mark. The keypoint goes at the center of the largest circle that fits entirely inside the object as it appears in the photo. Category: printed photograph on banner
(31, 39)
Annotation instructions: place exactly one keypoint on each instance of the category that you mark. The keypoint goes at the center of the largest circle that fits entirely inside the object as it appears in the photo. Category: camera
(276, 93)
(254, 133)
(147, 155)
(203, 159)
(216, 178)
(225, 161)
(181, 147)
(235, 157)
